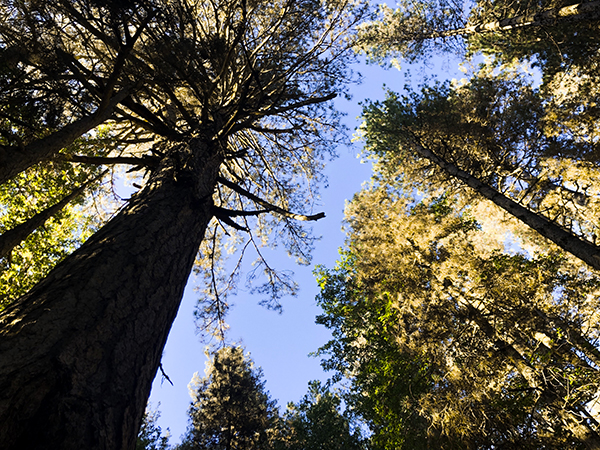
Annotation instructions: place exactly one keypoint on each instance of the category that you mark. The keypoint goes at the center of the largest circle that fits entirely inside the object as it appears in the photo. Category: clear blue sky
(280, 343)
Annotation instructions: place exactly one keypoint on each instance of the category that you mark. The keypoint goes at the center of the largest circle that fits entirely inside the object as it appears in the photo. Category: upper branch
(270, 207)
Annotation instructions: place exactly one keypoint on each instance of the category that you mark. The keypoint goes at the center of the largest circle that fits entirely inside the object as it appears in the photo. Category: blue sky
(280, 343)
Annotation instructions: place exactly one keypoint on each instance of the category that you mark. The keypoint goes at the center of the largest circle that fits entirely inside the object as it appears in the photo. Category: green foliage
(415, 30)
(231, 409)
(151, 436)
(405, 31)
(500, 130)
(445, 341)
(21, 198)
(317, 423)
(554, 47)
(383, 377)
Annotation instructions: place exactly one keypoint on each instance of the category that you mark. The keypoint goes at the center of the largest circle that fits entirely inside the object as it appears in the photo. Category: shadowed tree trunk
(14, 160)
(81, 349)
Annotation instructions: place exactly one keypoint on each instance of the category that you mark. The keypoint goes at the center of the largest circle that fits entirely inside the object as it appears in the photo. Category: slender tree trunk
(14, 160)
(13, 237)
(80, 350)
(572, 336)
(583, 250)
(580, 12)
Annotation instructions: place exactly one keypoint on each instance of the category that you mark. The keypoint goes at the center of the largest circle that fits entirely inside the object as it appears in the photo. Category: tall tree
(449, 343)
(556, 34)
(490, 134)
(230, 408)
(234, 107)
(59, 79)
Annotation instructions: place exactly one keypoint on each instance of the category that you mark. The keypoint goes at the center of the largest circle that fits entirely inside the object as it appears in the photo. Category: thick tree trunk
(586, 251)
(78, 353)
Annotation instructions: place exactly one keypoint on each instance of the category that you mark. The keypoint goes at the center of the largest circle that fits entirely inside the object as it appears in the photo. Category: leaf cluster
(445, 342)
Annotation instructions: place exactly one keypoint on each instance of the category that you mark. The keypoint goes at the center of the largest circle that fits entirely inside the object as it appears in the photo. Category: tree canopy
(231, 408)
(458, 319)
(450, 341)
(221, 109)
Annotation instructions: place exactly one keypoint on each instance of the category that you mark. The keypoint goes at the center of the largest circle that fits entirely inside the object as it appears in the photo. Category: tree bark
(583, 250)
(14, 160)
(81, 349)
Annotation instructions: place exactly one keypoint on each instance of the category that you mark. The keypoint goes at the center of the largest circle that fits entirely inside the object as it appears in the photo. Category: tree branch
(144, 161)
(13, 237)
(240, 190)
(236, 213)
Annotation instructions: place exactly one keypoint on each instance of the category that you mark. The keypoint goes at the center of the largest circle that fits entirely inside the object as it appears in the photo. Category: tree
(53, 89)
(490, 135)
(555, 34)
(447, 340)
(45, 217)
(317, 423)
(230, 408)
(151, 435)
(234, 109)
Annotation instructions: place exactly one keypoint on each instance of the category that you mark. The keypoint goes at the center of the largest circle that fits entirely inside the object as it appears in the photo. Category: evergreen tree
(530, 150)
(451, 343)
(555, 35)
(230, 408)
(317, 423)
(65, 68)
(222, 105)
(151, 436)
(491, 134)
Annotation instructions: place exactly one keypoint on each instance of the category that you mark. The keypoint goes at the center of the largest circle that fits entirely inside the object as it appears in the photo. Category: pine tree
(316, 422)
(451, 343)
(227, 118)
(230, 408)
(151, 436)
(490, 134)
(556, 35)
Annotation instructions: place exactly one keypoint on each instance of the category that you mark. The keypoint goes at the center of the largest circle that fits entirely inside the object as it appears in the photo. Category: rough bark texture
(80, 351)
(583, 250)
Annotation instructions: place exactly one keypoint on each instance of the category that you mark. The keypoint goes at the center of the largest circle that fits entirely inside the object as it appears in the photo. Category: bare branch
(144, 161)
(240, 190)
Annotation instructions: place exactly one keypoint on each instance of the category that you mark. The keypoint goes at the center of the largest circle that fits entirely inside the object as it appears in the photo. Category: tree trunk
(13, 237)
(556, 401)
(583, 250)
(572, 336)
(14, 160)
(80, 350)
(587, 11)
